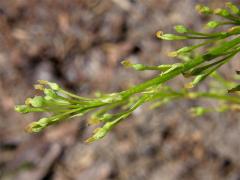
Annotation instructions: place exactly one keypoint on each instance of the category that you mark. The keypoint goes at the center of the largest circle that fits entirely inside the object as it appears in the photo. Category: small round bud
(39, 87)
(34, 127)
(234, 9)
(50, 92)
(37, 101)
(181, 29)
(138, 67)
(213, 24)
(198, 111)
(54, 86)
(159, 34)
(126, 63)
(203, 9)
(221, 12)
(22, 109)
(106, 117)
(43, 122)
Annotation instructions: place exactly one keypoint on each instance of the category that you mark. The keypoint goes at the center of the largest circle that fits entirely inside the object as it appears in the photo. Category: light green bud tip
(53, 86)
(106, 117)
(138, 67)
(234, 9)
(221, 12)
(50, 93)
(126, 63)
(184, 49)
(212, 24)
(22, 109)
(34, 127)
(98, 134)
(43, 122)
(198, 111)
(37, 101)
(203, 9)
(169, 37)
(180, 29)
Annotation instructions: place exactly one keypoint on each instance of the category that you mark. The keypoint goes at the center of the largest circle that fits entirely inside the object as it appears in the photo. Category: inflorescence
(107, 110)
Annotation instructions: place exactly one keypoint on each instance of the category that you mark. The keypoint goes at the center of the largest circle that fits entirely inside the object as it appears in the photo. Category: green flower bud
(22, 109)
(34, 127)
(184, 49)
(198, 111)
(39, 87)
(221, 12)
(37, 101)
(53, 86)
(98, 134)
(213, 24)
(234, 9)
(50, 93)
(180, 29)
(138, 67)
(203, 9)
(43, 122)
(126, 63)
(106, 117)
(48, 98)
(169, 37)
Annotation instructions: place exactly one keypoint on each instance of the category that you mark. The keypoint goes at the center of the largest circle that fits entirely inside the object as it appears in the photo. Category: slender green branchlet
(196, 63)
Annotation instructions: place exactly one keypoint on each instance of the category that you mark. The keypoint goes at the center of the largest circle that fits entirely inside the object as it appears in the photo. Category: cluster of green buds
(55, 100)
(107, 110)
(63, 105)
(221, 46)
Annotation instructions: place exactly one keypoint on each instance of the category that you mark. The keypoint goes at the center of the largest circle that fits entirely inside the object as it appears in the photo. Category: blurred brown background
(80, 45)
